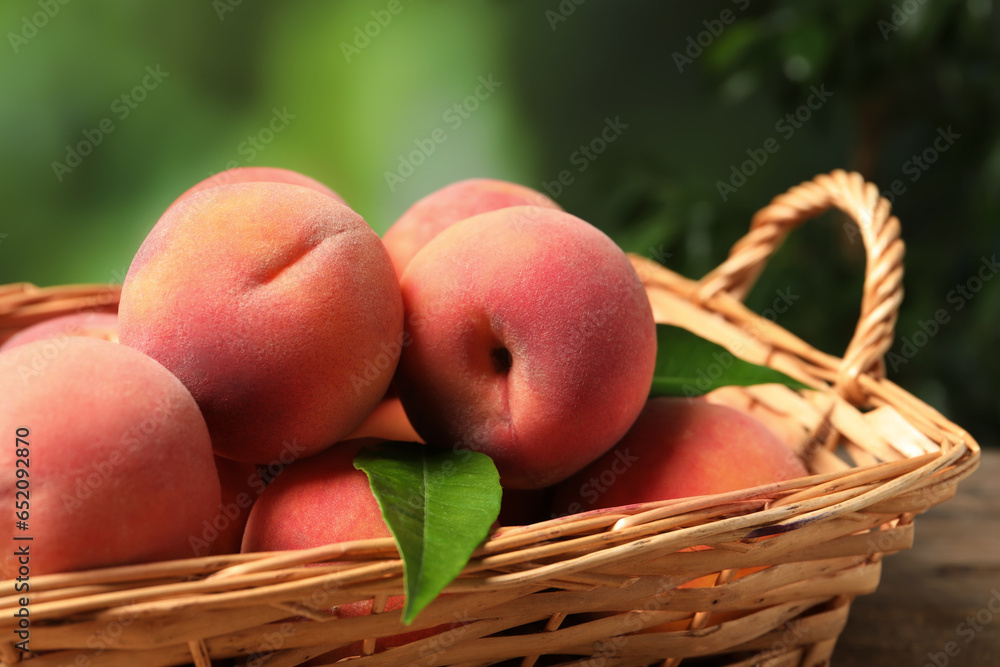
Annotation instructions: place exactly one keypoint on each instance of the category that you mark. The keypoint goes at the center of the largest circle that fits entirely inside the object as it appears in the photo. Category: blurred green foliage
(689, 89)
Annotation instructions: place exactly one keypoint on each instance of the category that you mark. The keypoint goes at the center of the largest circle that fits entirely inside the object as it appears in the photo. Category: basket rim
(859, 509)
(956, 459)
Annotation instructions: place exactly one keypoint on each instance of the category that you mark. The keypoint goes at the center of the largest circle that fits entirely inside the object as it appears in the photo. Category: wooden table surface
(941, 596)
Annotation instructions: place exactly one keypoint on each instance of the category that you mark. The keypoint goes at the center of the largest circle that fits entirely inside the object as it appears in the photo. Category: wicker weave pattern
(602, 587)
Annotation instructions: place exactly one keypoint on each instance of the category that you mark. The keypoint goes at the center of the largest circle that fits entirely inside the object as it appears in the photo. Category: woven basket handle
(883, 286)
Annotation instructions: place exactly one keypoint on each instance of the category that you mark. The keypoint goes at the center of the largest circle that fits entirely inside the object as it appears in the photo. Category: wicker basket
(604, 588)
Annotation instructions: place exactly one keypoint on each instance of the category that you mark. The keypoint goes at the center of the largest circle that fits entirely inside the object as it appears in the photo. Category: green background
(692, 88)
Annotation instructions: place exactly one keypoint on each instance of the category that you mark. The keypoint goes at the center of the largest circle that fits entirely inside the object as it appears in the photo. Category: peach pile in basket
(266, 333)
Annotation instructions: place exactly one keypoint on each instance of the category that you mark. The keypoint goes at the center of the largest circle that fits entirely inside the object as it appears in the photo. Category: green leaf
(689, 365)
(439, 505)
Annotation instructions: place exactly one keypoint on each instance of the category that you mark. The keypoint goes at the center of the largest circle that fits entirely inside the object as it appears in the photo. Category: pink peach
(680, 447)
(315, 502)
(323, 501)
(117, 460)
(452, 203)
(276, 306)
(89, 325)
(257, 175)
(530, 338)
(241, 485)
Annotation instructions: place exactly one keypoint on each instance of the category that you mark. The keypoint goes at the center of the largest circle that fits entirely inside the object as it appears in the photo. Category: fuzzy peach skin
(90, 325)
(118, 462)
(680, 447)
(257, 175)
(791, 433)
(452, 203)
(319, 501)
(276, 306)
(241, 485)
(323, 501)
(530, 338)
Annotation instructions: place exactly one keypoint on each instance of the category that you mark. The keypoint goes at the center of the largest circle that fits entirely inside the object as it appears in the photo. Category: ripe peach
(315, 502)
(257, 175)
(452, 203)
(116, 457)
(792, 434)
(323, 501)
(276, 306)
(88, 325)
(241, 485)
(680, 447)
(530, 338)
